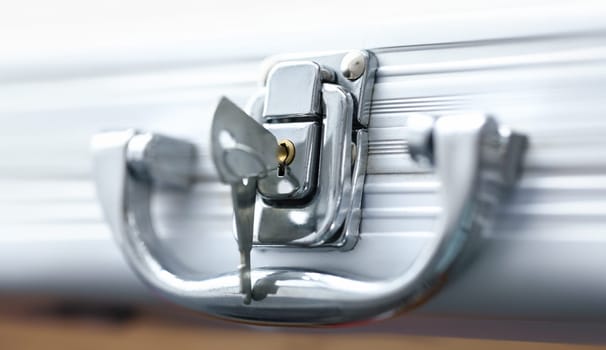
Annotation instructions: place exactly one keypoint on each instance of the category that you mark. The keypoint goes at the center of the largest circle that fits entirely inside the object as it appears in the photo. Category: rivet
(353, 65)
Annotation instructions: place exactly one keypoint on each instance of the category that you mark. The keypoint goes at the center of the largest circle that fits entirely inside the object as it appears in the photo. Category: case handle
(472, 160)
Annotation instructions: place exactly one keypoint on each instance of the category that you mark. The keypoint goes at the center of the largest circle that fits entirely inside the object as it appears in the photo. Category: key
(242, 151)
(241, 147)
(243, 196)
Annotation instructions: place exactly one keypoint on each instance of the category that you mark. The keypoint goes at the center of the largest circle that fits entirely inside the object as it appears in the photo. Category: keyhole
(285, 155)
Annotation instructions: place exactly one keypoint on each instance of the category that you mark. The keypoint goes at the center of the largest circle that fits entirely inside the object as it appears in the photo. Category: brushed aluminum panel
(543, 258)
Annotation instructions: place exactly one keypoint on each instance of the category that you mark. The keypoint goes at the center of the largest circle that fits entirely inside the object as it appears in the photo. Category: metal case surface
(543, 259)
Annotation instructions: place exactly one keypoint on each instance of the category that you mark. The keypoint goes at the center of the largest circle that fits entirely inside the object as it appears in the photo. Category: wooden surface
(153, 335)
(43, 324)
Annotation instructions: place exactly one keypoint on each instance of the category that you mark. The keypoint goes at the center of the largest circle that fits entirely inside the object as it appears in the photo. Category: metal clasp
(317, 113)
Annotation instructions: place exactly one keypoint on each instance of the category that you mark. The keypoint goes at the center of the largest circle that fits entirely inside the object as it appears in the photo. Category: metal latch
(296, 163)
(291, 177)
(306, 157)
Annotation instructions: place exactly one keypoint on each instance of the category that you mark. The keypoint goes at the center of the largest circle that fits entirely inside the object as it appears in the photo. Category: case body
(544, 259)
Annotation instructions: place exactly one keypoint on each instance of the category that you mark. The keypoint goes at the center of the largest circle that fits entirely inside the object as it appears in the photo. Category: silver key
(242, 151)
(243, 196)
(241, 147)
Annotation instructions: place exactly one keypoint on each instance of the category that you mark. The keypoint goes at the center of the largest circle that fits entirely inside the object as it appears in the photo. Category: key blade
(241, 147)
(243, 196)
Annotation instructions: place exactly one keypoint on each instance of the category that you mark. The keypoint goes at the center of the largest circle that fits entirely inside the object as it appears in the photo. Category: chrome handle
(470, 155)
(321, 112)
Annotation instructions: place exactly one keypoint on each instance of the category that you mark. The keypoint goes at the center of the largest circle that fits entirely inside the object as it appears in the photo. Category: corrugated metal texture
(547, 249)
(552, 89)
(548, 236)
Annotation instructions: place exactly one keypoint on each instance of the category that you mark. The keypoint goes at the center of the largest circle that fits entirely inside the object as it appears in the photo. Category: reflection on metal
(473, 158)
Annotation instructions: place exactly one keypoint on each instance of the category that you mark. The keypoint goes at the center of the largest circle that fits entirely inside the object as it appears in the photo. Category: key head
(241, 147)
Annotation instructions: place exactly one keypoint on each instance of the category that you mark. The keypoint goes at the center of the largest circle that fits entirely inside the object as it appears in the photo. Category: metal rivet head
(353, 65)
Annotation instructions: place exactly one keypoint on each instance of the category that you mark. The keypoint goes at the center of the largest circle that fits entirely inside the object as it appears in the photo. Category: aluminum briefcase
(461, 175)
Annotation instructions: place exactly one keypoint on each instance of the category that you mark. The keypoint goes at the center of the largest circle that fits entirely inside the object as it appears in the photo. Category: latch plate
(312, 103)
(298, 180)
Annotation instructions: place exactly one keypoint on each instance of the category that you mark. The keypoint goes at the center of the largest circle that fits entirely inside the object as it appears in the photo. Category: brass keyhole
(285, 155)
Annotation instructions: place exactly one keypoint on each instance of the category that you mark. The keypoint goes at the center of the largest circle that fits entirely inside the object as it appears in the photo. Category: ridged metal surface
(550, 89)
(547, 237)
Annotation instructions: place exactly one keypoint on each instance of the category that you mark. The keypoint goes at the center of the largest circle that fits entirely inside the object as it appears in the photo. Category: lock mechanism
(302, 198)
(295, 163)
(305, 196)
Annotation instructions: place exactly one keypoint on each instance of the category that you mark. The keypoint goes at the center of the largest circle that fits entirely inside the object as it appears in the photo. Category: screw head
(353, 65)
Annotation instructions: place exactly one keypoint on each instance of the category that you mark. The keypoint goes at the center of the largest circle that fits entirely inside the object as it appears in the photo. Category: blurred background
(67, 66)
